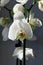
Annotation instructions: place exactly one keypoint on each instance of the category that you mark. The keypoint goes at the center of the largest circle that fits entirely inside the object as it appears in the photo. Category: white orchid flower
(18, 7)
(18, 52)
(4, 2)
(22, 1)
(20, 29)
(34, 21)
(40, 5)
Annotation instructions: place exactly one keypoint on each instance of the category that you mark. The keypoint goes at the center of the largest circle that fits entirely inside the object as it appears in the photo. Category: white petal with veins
(18, 52)
(22, 1)
(13, 30)
(4, 2)
(34, 21)
(18, 15)
(40, 5)
(5, 33)
(18, 7)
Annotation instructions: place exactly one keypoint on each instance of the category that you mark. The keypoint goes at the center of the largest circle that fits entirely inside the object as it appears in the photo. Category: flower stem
(24, 46)
(17, 61)
(18, 45)
(20, 62)
(30, 7)
(9, 12)
(34, 2)
(28, 10)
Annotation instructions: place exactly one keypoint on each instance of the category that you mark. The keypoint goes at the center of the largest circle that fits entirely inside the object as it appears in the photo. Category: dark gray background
(7, 48)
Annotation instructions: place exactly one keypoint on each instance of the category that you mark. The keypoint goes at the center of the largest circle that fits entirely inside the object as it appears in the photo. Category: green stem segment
(34, 2)
(28, 10)
(17, 61)
(20, 62)
(18, 45)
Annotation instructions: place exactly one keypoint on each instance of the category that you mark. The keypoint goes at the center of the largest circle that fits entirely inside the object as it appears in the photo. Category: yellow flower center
(21, 35)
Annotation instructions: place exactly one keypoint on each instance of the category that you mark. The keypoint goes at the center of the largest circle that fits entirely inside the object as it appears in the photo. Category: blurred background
(7, 48)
